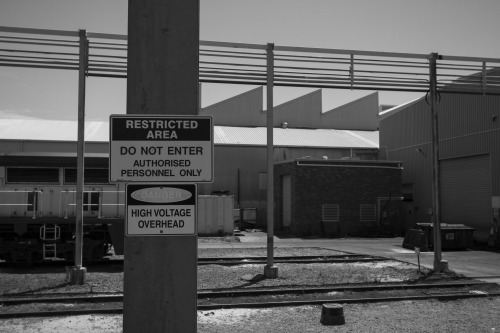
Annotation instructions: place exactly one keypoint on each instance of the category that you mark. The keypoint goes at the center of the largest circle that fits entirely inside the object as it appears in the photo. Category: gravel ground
(262, 252)
(109, 280)
(317, 274)
(461, 316)
(468, 315)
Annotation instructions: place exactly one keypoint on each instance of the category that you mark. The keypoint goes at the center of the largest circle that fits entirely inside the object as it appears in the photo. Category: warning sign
(161, 209)
(161, 148)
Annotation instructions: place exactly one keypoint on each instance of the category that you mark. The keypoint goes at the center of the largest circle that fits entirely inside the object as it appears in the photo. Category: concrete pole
(439, 265)
(77, 273)
(270, 270)
(160, 272)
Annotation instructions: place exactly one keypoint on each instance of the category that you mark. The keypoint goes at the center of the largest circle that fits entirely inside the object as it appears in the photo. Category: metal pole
(270, 271)
(78, 272)
(436, 216)
(239, 201)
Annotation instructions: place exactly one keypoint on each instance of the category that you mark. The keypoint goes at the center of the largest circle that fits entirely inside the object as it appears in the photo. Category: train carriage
(38, 207)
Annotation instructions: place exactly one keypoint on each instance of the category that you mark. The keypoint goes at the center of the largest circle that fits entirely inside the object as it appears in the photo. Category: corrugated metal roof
(56, 130)
(370, 137)
(51, 130)
(295, 137)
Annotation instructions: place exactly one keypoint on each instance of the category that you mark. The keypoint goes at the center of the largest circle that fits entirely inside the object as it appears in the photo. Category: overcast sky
(450, 27)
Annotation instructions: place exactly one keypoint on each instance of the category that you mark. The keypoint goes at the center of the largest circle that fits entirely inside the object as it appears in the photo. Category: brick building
(321, 197)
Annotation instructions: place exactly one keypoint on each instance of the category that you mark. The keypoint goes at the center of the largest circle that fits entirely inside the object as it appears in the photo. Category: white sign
(161, 148)
(161, 209)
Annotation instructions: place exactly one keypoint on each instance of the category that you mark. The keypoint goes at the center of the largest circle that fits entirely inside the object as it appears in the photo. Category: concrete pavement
(482, 265)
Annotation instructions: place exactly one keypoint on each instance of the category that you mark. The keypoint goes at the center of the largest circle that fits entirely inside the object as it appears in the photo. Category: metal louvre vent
(330, 213)
(367, 212)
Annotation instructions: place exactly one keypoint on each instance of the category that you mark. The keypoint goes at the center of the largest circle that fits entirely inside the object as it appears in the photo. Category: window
(33, 175)
(367, 213)
(91, 176)
(330, 213)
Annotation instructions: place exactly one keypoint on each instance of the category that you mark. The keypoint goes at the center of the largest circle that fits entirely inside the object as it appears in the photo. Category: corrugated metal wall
(469, 125)
(360, 114)
(466, 193)
(406, 136)
(287, 153)
(242, 110)
(303, 112)
(215, 215)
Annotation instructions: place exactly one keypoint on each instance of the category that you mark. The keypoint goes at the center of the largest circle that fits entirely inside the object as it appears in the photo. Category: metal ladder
(49, 234)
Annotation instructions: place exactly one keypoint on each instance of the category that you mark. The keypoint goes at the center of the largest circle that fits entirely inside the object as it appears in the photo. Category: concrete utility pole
(439, 264)
(160, 272)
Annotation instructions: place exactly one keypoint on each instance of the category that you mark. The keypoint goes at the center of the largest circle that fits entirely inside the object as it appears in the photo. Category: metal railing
(36, 205)
(66, 204)
(239, 63)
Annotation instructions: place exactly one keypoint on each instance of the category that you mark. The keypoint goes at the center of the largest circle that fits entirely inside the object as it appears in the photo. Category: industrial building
(338, 198)
(302, 130)
(469, 163)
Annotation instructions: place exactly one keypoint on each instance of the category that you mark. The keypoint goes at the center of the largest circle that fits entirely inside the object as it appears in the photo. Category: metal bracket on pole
(351, 71)
(439, 264)
(77, 275)
(270, 270)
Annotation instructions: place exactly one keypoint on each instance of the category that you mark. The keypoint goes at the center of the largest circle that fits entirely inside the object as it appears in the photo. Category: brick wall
(346, 183)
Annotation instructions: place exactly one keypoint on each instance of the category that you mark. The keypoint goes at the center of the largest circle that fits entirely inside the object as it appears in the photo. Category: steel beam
(270, 270)
(436, 205)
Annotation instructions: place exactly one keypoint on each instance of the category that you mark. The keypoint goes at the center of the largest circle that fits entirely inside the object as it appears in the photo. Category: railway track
(344, 258)
(264, 298)
(247, 297)
(226, 261)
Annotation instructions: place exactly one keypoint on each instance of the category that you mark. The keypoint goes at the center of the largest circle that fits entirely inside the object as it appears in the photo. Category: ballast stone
(252, 277)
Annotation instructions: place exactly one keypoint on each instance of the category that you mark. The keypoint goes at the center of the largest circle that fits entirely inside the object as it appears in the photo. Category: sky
(449, 27)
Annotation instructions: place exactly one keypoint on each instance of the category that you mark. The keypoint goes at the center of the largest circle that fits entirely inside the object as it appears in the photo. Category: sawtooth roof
(98, 131)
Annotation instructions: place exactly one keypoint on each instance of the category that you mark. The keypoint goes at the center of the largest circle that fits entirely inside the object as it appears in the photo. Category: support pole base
(271, 272)
(441, 266)
(77, 275)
